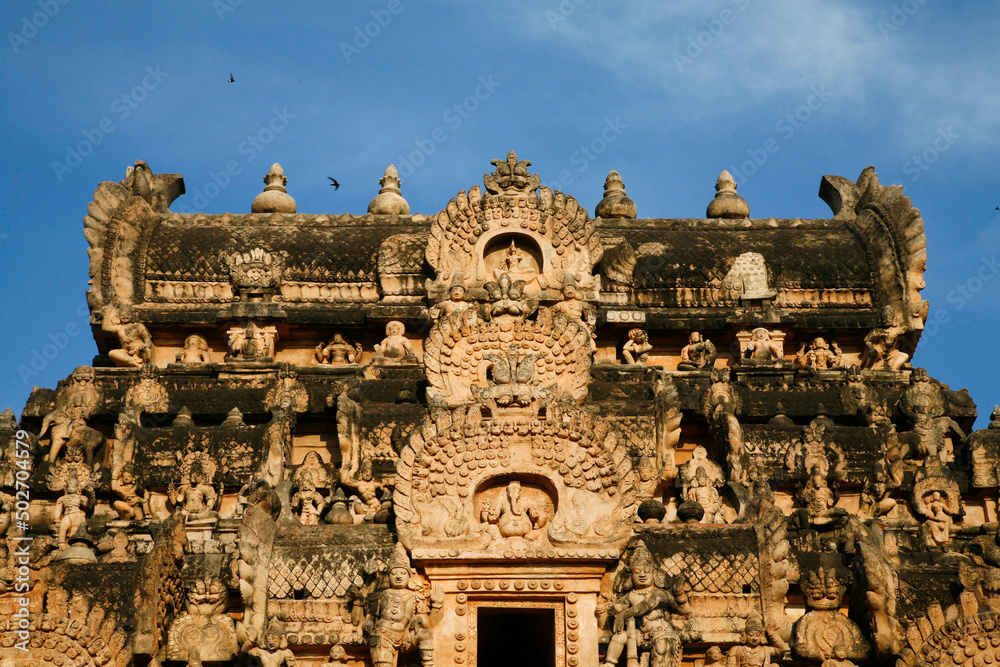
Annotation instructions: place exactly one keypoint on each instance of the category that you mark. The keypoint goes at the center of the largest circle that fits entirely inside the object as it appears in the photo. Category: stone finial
(995, 418)
(389, 200)
(727, 204)
(274, 198)
(616, 204)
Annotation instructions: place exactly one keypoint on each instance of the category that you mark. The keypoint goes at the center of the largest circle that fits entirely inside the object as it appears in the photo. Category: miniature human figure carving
(74, 405)
(637, 347)
(513, 515)
(368, 490)
(753, 652)
(938, 514)
(338, 352)
(309, 503)
(697, 354)
(456, 301)
(762, 347)
(881, 345)
(714, 657)
(838, 658)
(515, 264)
(395, 346)
(252, 343)
(575, 308)
(703, 492)
(136, 345)
(272, 655)
(132, 497)
(819, 354)
(651, 604)
(195, 351)
(338, 656)
(70, 511)
(401, 620)
(196, 497)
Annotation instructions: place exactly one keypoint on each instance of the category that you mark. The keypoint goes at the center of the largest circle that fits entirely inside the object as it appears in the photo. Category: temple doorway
(511, 636)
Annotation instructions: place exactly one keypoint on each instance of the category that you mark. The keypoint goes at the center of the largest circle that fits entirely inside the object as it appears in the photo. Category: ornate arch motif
(556, 223)
(456, 453)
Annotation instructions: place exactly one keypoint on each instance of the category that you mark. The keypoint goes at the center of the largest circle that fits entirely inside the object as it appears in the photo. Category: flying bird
(334, 183)
(231, 79)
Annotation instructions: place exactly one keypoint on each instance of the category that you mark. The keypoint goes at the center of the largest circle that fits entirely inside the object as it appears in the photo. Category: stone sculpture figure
(819, 354)
(308, 502)
(402, 619)
(819, 499)
(456, 301)
(252, 343)
(754, 652)
(514, 515)
(195, 351)
(651, 605)
(714, 657)
(70, 513)
(881, 345)
(936, 509)
(697, 354)
(515, 264)
(337, 657)
(196, 497)
(368, 489)
(74, 404)
(338, 352)
(272, 655)
(148, 395)
(574, 307)
(703, 492)
(395, 346)
(133, 500)
(823, 628)
(838, 658)
(136, 345)
(761, 348)
(637, 347)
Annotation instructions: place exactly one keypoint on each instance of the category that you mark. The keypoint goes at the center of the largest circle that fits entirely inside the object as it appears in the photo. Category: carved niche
(529, 232)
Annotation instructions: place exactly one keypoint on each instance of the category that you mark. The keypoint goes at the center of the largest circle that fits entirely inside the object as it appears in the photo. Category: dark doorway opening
(523, 637)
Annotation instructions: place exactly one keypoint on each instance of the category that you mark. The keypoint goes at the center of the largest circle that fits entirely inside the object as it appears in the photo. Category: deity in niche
(754, 652)
(761, 348)
(642, 617)
(516, 263)
(697, 354)
(637, 347)
(456, 300)
(308, 503)
(515, 515)
(703, 492)
(70, 512)
(136, 344)
(338, 352)
(196, 497)
(395, 346)
(819, 354)
(195, 351)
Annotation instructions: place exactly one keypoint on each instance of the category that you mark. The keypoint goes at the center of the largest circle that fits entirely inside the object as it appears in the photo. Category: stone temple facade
(508, 433)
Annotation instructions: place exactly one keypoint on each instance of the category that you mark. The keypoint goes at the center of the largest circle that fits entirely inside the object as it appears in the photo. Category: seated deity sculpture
(136, 345)
(637, 347)
(338, 352)
(395, 346)
(455, 302)
(761, 348)
(195, 351)
(697, 354)
(196, 498)
(754, 652)
(132, 498)
(515, 264)
(513, 515)
(819, 354)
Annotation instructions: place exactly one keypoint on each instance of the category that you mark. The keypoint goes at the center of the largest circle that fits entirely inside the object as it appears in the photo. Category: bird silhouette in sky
(334, 183)
(231, 79)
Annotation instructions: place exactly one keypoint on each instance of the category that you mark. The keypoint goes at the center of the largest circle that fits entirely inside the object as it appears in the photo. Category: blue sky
(669, 92)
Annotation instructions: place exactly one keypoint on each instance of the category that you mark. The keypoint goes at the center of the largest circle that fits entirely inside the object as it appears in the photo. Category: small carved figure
(119, 548)
(823, 628)
(642, 616)
(148, 395)
(368, 489)
(312, 466)
(309, 502)
(819, 354)
(820, 500)
(70, 511)
(196, 497)
(697, 354)
(637, 347)
(252, 343)
(937, 497)
(74, 405)
(714, 657)
(395, 346)
(338, 656)
(272, 655)
(133, 499)
(136, 345)
(881, 345)
(338, 352)
(515, 264)
(703, 492)
(838, 658)
(513, 515)
(875, 500)
(402, 617)
(938, 514)
(456, 301)
(761, 348)
(195, 351)
(507, 299)
(574, 307)
(754, 652)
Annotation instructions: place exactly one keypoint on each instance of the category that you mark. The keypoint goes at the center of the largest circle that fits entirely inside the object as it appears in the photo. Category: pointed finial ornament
(616, 204)
(727, 204)
(389, 200)
(274, 198)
